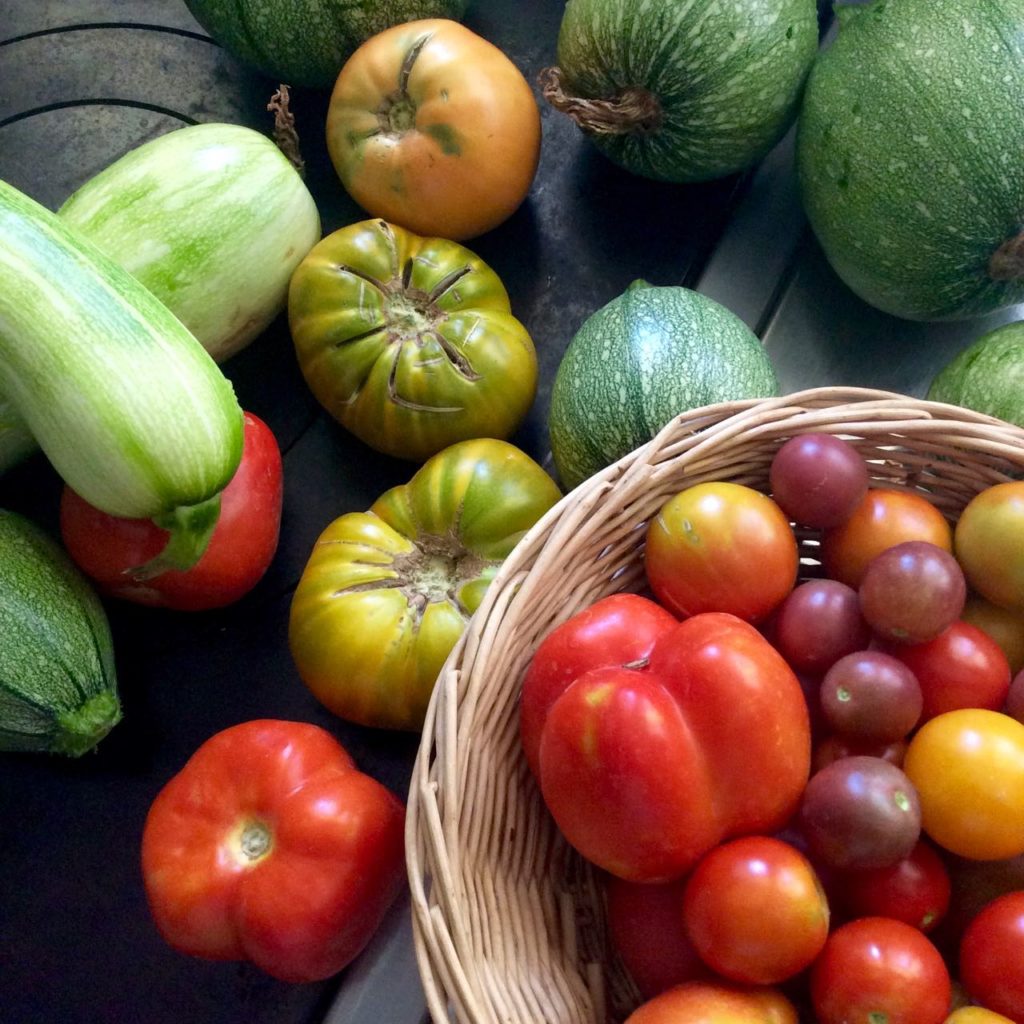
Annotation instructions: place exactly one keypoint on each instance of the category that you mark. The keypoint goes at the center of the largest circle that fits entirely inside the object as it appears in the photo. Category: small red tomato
(879, 969)
(755, 910)
(992, 956)
(963, 667)
(645, 924)
(721, 547)
(271, 846)
(240, 550)
(915, 890)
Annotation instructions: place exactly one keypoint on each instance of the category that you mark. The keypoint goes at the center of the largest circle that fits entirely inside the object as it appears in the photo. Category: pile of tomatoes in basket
(799, 763)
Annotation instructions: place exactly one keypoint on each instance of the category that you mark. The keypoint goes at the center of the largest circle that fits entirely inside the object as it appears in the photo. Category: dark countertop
(79, 85)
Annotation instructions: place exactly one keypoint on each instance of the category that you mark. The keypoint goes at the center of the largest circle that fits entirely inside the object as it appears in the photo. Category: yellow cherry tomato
(968, 769)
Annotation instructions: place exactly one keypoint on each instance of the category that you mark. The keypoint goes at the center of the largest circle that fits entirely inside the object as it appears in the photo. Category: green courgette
(212, 219)
(129, 408)
(58, 687)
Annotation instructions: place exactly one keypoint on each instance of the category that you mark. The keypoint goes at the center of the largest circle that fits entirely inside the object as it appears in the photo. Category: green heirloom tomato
(387, 593)
(409, 342)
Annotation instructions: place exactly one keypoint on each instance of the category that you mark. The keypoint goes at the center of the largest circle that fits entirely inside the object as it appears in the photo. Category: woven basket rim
(448, 979)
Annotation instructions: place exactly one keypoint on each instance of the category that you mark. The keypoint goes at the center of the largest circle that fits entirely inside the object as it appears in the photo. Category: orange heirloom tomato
(409, 342)
(968, 769)
(883, 519)
(700, 1002)
(271, 846)
(434, 128)
(721, 547)
(989, 544)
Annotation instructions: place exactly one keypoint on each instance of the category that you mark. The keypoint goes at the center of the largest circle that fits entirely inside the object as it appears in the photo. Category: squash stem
(190, 528)
(79, 730)
(1007, 262)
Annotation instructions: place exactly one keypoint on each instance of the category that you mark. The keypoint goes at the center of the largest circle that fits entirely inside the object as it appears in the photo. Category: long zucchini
(129, 408)
(58, 686)
(212, 219)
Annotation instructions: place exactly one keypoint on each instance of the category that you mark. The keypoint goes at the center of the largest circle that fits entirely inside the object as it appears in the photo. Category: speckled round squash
(910, 146)
(683, 91)
(987, 376)
(305, 42)
(648, 355)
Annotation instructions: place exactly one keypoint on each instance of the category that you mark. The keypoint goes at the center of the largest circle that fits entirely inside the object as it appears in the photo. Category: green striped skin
(988, 376)
(306, 42)
(645, 357)
(212, 219)
(728, 75)
(58, 687)
(909, 153)
(129, 408)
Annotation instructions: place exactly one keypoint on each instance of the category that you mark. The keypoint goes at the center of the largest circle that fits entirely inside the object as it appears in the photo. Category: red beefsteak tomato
(644, 769)
(271, 846)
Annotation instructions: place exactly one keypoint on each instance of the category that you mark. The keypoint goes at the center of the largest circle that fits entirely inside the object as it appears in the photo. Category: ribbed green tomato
(409, 342)
(387, 593)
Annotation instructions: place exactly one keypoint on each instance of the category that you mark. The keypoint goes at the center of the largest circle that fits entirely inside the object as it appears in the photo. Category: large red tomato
(992, 956)
(710, 1002)
(880, 969)
(434, 128)
(617, 630)
(238, 554)
(721, 547)
(645, 769)
(271, 846)
(755, 911)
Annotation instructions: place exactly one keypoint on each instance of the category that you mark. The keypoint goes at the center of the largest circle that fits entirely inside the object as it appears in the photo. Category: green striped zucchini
(129, 408)
(212, 219)
(58, 686)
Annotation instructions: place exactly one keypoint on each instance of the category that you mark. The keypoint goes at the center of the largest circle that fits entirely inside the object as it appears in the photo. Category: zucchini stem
(190, 528)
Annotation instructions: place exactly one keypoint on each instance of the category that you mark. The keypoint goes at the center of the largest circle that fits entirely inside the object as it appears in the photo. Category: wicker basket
(508, 920)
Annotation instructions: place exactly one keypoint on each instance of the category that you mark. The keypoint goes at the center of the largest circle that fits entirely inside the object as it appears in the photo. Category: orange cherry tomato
(989, 543)
(883, 519)
(434, 128)
(721, 547)
(968, 769)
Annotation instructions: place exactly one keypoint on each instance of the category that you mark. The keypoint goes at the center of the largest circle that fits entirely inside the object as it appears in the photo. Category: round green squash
(683, 92)
(306, 42)
(987, 376)
(647, 356)
(909, 155)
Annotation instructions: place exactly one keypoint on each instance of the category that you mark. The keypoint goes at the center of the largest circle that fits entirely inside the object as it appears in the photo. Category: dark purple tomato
(834, 748)
(1015, 697)
(911, 592)
(872, 696)
(818, 623)
(817, 479)
(859, 813)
